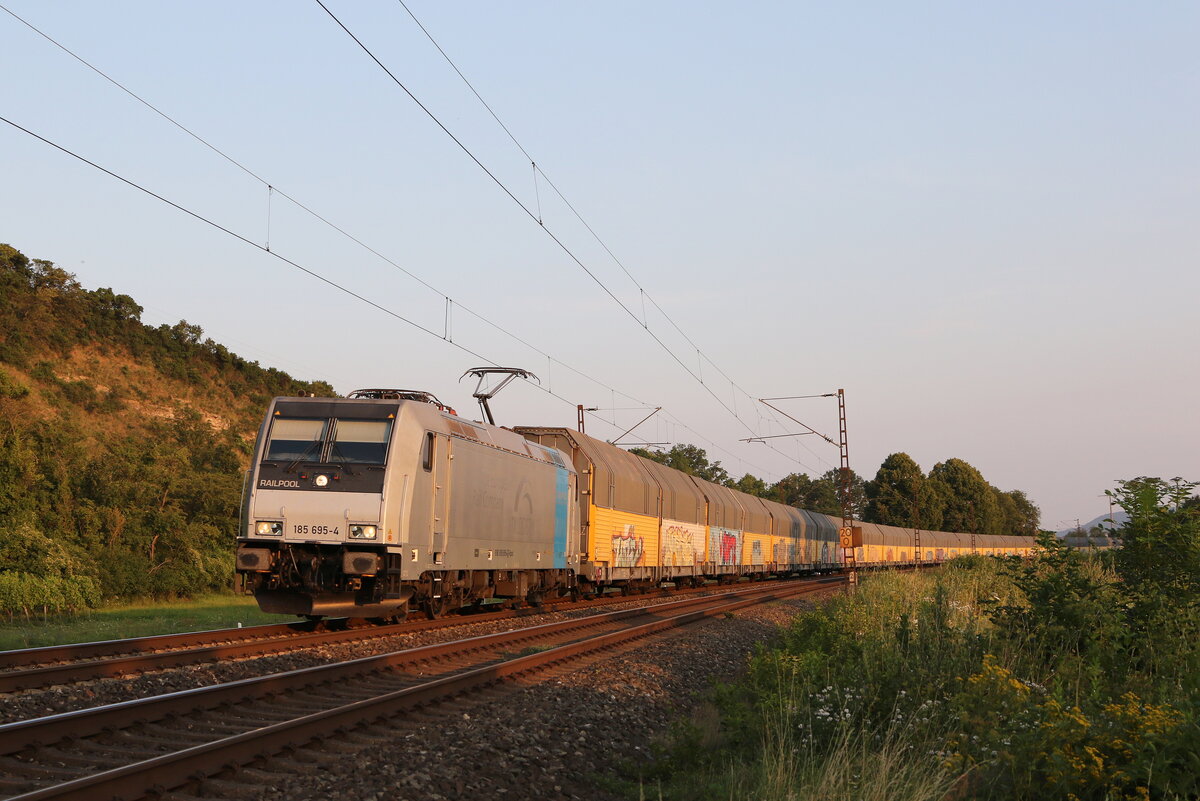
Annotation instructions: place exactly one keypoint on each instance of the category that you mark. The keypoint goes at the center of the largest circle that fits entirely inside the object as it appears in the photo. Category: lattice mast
(849, 536)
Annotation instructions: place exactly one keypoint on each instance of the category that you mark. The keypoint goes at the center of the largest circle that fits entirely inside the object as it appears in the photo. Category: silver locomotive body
(367, 506)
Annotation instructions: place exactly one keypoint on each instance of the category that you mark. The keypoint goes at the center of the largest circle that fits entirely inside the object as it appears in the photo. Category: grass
(971, 682)
(856, 766)
(136, 620)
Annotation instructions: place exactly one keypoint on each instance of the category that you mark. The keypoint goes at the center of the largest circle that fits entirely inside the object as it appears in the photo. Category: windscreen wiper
(335, 457)
(296, 462)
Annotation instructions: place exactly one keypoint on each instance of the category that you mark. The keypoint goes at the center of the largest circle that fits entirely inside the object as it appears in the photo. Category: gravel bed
(550, 740)
(28, 704)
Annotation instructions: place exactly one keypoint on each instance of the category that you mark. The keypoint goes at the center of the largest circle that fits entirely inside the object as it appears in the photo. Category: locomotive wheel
(438, 596)
(436, 607)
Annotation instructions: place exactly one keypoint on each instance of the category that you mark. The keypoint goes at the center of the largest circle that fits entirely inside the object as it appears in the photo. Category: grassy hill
(122, 445)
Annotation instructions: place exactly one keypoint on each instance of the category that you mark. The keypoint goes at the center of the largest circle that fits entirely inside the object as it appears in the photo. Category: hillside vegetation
(122, 445)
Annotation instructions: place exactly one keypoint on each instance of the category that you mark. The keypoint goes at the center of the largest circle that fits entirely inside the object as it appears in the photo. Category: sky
(979, 220)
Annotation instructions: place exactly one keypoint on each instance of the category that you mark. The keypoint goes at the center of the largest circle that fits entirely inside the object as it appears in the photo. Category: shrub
(11, 388)
(1071, 675)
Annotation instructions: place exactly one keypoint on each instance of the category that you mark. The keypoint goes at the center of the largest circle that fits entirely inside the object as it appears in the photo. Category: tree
(791, 490)
(969, 501)
(1020, 515)
(185, 333)
(898, 493)
(53, 279)
(14, 263)
(817, 495)
(687, 459)
(858, 493)
(1159, 557)
(751, 485)
(109, 303)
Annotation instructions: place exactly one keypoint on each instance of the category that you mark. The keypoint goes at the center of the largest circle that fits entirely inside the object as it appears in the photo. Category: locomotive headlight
(362, 532)
(268, 528)
(321, 480)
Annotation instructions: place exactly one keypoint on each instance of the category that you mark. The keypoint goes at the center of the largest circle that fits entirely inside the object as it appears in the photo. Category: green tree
(898, 493)
(751, 485)
(819, 494)
(1159, 558)
(969, 501)
(791, 490)
(1018, 514)
(858, 493)
(687, 459)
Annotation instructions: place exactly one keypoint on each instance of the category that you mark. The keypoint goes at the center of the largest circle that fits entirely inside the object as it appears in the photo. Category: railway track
(36, 668)
(181, 739)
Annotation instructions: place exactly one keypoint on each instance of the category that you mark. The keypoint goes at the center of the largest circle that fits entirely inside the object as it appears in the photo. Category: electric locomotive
(349, 509)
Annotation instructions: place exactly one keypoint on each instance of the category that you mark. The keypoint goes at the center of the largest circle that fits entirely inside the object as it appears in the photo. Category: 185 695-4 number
(305, 530)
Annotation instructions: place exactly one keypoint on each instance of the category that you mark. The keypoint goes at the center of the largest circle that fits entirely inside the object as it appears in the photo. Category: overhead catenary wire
(210, 146)
(273, 190)
(645, 295)
(246, 240)
(275, 254)
(534, 217)
(234, 234)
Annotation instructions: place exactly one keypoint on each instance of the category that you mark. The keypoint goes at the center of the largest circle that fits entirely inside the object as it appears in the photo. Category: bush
(11, 388)
(27, 594)
(1070, 675)
(1018, 740)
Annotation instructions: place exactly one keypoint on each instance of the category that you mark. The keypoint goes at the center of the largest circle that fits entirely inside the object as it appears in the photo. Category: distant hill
(1119, 518)
(121, 444)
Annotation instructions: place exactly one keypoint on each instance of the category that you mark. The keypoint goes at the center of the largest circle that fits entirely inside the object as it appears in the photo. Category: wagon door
(437, 457)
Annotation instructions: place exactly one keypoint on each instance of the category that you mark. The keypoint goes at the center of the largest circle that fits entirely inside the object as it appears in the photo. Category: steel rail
(193, 764)
(19, 735)
(91, 650)
(144, 654)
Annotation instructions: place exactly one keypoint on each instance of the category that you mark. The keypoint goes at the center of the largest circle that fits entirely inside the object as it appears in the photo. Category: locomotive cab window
(360, 441)
(293, 439)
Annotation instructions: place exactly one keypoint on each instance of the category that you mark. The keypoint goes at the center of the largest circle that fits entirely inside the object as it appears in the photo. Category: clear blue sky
(981, 221)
